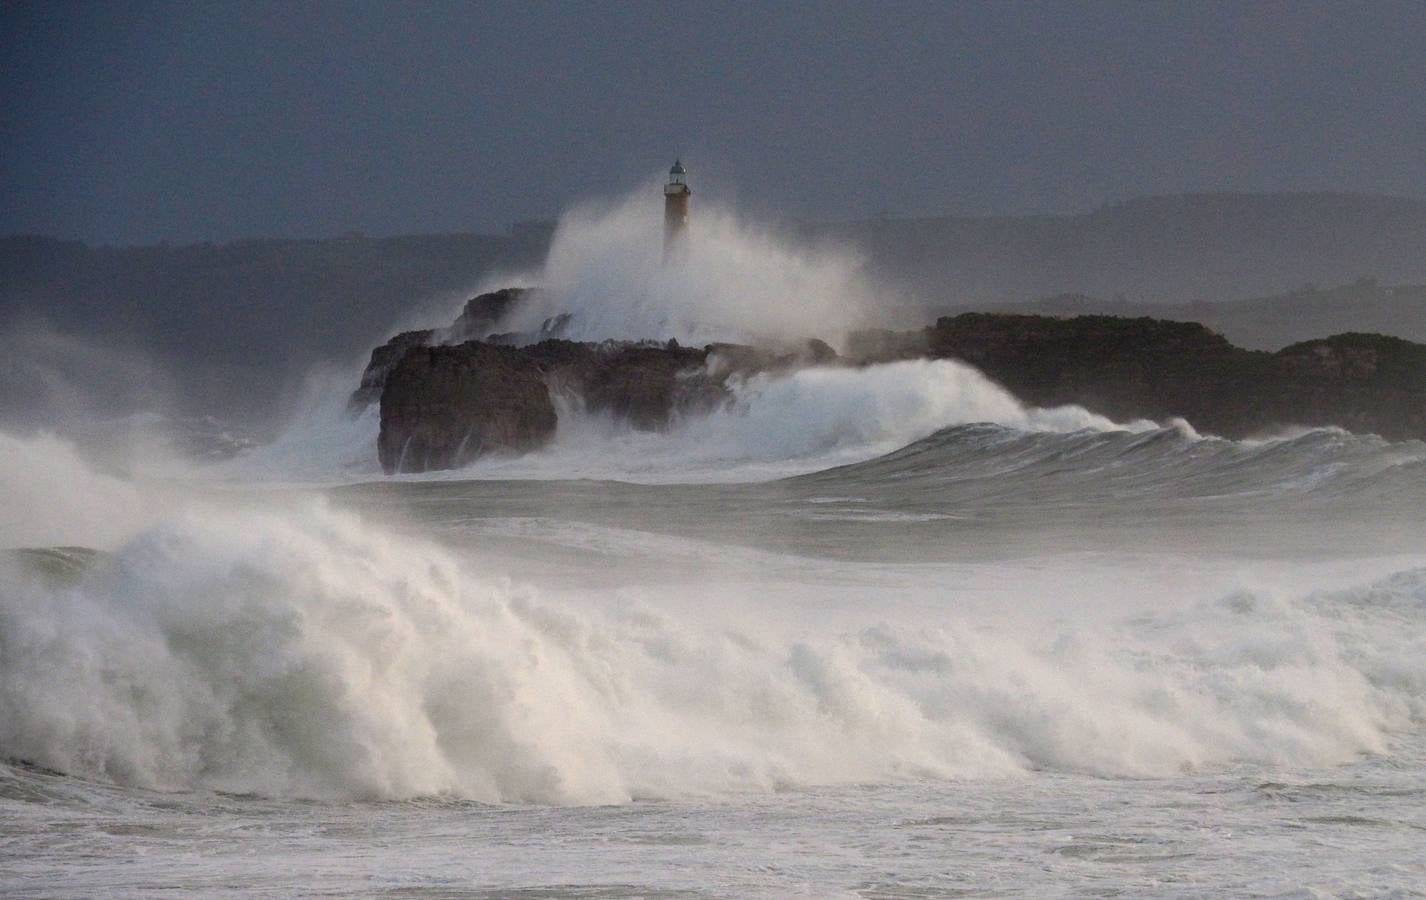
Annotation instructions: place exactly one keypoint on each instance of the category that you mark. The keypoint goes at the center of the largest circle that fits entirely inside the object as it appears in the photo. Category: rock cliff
(449, 396)
(444, 406)
(1154, 369)
(476, 321)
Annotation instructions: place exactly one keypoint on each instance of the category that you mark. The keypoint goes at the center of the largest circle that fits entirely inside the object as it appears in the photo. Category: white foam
(732, 281)
(298, 650)
(780, 425)
(324, 443)
(50, 496)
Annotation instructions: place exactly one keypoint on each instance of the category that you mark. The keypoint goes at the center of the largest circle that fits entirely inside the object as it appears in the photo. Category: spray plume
(730, 281)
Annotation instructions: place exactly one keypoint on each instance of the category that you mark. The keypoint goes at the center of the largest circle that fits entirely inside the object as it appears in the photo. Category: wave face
(988, 464)
(302, 652)
(940, 425)
(776, 425)
(788, 424)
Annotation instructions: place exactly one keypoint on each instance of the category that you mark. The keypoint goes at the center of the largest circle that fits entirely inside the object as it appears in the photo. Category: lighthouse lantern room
(675, 207)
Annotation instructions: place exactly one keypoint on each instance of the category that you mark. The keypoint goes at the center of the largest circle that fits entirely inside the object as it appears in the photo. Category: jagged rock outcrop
(383, 360)
(482, 313)
(1153, 369)
(446, 401)
(443, 406)
(477, 320)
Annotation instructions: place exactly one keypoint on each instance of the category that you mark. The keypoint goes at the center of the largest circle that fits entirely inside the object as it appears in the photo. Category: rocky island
(449, 396)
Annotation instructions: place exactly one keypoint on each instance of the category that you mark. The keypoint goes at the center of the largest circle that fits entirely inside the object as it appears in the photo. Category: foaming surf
(937, 426)
(735, 281)
(928, 615)
(775, 425)
(732, 281)
(1006, 465)
(780, 425)
(903, 652)
(302, 652)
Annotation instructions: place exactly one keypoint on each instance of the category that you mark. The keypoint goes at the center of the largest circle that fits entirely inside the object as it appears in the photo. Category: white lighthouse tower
(675, 207)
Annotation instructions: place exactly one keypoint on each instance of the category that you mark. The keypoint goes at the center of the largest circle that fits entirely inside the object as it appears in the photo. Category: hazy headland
(235, 329)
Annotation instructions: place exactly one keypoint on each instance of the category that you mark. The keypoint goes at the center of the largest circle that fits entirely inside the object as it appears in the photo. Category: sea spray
(735, 281)
(50, 495)
(298, 650)
(326, 441)
(787, 423)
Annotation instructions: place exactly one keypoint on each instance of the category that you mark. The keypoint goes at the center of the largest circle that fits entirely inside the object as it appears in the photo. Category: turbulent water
(879, 633)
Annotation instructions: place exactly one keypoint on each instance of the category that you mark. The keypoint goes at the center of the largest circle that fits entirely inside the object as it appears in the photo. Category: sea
(867, 633)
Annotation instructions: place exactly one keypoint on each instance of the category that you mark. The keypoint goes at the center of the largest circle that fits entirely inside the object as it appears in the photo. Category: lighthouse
(675, 207)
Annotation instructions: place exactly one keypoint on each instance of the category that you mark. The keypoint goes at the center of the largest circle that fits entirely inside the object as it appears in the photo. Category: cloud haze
(144, 122)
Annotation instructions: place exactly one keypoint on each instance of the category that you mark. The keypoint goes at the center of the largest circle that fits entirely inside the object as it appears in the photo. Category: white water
(292, 649)
(1078, 661)
(776, 425)
(787, 424)
(467, 646)
(301, 652)
(50, 496)
(732, 281)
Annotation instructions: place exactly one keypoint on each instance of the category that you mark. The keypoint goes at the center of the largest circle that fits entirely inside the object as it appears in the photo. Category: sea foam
(298, 650)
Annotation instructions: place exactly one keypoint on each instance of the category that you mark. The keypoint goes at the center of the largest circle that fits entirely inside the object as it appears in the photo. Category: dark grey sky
(134, 122)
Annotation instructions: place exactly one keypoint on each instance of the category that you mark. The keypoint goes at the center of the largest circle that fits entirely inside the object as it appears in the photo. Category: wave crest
(303, 653)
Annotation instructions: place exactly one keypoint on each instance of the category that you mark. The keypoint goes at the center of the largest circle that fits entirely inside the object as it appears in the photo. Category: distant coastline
(232, 326)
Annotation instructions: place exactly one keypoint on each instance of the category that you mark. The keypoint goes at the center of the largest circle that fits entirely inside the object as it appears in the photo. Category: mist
(729, 279)
(942, 513)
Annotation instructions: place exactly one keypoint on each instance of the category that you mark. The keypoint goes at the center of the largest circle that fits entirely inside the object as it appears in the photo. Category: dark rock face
(442, 407)
(476, 321)
(1153, 369)
(448, 396)
(1360, 382)
(482, 314)
(641, 383)
(383, 360)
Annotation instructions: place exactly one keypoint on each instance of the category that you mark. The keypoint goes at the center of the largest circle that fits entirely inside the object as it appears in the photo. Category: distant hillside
(234, 325)
(1179, 249)
(1269, 323)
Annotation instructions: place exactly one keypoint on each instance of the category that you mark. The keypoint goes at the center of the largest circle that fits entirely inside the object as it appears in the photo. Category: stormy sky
(139, 122)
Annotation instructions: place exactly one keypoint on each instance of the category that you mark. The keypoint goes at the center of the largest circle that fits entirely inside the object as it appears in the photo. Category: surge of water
(1121, 469)
(956, 603)
(300, 651)
(49, 495)
(775, 425)
(731, 280)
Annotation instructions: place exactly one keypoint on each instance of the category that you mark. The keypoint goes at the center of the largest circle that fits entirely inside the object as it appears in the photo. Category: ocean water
(875, 633)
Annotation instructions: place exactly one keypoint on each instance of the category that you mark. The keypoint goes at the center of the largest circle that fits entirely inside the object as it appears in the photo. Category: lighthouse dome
(677, 179)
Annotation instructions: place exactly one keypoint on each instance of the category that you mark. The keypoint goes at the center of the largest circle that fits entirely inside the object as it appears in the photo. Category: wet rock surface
(449, 396)
(1154, 369)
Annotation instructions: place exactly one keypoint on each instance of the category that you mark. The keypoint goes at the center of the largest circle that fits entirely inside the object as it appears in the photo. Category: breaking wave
(775, 425)
(935, 426)
(779, 425)
(302, 652)
(733, 281)
(1007, 466)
